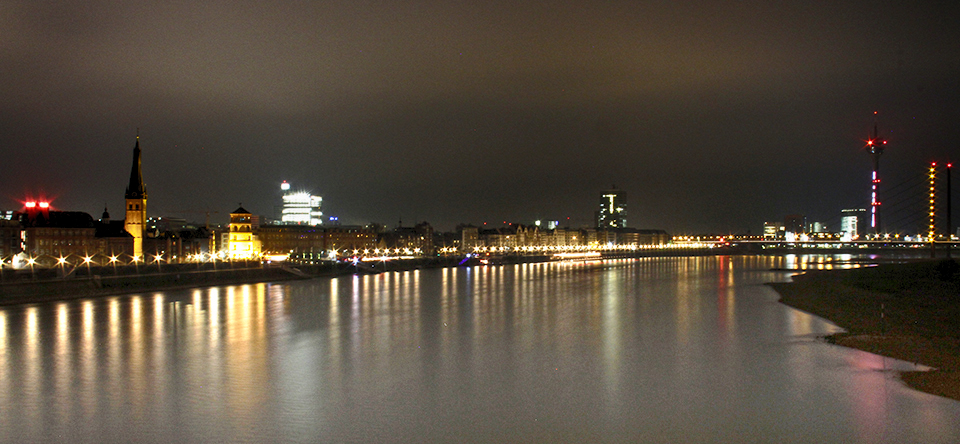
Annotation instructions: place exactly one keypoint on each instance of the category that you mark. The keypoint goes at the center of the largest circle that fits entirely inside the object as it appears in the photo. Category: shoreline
(51, 284)
(908, 311)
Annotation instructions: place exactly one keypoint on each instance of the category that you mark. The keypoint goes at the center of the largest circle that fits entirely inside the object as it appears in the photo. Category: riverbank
(905, 311)
(25, 286)
(104, 281)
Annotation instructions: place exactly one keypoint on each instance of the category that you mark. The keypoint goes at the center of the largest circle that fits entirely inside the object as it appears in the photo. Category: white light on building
(300, 207)
(849, 228)
(613, 209)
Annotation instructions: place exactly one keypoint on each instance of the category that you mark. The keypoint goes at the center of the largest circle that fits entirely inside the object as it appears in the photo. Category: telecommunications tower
(875, 146)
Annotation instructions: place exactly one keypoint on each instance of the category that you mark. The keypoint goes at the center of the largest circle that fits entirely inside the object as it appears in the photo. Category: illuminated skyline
(712, 117)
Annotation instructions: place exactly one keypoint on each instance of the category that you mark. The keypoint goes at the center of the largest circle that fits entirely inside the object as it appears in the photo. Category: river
(642, 350)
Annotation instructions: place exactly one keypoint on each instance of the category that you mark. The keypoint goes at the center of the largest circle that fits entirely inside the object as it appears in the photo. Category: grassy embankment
(905, 311)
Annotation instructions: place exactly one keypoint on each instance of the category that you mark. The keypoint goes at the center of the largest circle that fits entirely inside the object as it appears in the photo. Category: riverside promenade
(40, 284)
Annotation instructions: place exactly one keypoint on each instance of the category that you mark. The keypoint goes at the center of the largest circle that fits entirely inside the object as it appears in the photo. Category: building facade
(852, 223)
(613, 209)
(10, 238)
(48, 236)
(242, 244)
(306, 242)
(300, 207)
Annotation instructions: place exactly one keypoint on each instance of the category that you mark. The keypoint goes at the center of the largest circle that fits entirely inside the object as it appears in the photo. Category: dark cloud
(711, 115)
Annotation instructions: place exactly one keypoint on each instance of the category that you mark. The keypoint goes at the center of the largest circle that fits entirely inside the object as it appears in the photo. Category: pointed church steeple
(136, 189)
(136, 197)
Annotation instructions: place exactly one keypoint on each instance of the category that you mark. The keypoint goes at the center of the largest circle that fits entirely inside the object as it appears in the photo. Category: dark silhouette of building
(9, 238)
(113, 238)
(795, 223)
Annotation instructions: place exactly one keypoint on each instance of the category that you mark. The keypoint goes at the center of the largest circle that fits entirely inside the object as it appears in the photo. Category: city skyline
(711, 118)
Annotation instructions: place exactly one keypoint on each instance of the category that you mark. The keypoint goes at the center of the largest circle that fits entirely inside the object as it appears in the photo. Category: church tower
(136, 217)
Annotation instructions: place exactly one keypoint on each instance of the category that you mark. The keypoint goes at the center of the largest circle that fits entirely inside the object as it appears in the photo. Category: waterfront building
(469, 238)
(242, 242)
(345, 238)
(48, 235)
(300, 207)
(415, 238)
(505, 237)
(795, 224)
(634, 236)
(589, 236)
(294, 240)
(307, 242)
(613, 209)
(774, 231)
(136, 209)
(519, 235)
(10, 241)
(57, 234)
(178, 245)
(852, 224)
(112, 236)
(606, 237)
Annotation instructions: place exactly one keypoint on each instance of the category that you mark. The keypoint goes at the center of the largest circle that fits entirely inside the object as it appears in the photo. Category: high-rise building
(613, 209)
(851, 223)
(773, 231)
(136, 197)
(300, 207)
(795, 223)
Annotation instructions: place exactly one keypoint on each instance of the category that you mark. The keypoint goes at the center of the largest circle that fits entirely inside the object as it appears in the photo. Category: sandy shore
(905, 311)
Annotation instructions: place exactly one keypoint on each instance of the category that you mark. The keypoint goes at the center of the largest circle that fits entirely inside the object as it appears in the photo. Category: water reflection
(623, 350)
(826, 261)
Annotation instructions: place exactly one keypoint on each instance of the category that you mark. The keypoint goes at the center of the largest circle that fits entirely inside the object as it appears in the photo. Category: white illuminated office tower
(300, 207)
(851, 223)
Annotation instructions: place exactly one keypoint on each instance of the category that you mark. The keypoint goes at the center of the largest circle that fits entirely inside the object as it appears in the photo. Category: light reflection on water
(656, 349)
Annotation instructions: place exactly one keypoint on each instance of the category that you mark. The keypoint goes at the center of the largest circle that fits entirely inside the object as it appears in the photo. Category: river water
(645, 350)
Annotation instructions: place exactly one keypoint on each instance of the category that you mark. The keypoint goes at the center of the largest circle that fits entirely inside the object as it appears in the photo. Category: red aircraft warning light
(33, 204)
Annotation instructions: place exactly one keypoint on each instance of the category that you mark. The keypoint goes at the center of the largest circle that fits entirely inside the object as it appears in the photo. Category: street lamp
(31, 261)
(61, 261)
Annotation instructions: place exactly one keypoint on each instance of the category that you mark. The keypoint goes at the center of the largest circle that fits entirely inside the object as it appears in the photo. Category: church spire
(136, 189)
(136, 196)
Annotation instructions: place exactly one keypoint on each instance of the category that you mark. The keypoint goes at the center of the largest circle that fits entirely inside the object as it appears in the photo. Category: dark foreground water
(648, 350)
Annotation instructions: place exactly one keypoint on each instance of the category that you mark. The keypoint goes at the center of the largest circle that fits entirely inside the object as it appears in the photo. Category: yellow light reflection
(135, 356)
(214, 317)
(3, 333)
(31, 354)
(63, 329)
(5, 374)
(261, 309)
(114, 309)
(88, 356)
(334, 300)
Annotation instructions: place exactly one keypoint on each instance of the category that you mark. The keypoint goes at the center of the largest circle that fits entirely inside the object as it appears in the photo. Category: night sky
(712, 116)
